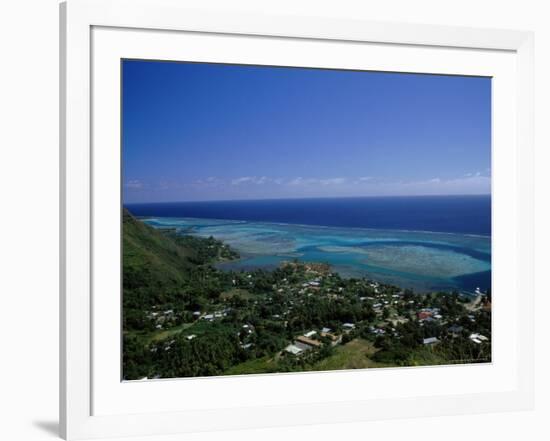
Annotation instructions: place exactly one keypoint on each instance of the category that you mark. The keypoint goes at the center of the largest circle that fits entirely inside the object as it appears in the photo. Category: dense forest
(184, 317)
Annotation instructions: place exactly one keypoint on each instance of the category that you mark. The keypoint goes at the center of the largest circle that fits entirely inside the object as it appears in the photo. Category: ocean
(427, 243)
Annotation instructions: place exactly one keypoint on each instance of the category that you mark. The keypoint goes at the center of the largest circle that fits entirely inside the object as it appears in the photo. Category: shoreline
(269, 261)
(240, 221)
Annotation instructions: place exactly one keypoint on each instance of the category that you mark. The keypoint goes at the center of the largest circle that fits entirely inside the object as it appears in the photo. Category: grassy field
(257, 366)
(236, 292)
(167, 333)
(425, 356)
(199, 327)
(354, 355)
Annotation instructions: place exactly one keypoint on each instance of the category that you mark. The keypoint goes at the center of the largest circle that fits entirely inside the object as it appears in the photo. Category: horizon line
(307, 198)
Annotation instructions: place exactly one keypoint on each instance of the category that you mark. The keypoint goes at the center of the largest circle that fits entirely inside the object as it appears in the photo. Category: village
(303, 312)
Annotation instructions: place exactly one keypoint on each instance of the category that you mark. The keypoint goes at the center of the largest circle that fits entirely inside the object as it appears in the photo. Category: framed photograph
(280, 220)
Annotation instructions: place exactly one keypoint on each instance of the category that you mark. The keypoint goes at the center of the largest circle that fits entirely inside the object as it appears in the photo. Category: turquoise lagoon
(423, 261)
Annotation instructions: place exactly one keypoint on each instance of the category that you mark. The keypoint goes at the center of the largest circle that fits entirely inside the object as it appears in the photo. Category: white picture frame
(88, 409)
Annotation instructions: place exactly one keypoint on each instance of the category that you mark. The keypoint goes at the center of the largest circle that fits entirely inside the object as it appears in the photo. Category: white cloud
(258, 180)
(299, 186)
(316, 181)
(238, 181)
(486, 172)
(472, 184)
(164, 185)
(332, 181)
(134, 184)
(296, 181)
(262, 180)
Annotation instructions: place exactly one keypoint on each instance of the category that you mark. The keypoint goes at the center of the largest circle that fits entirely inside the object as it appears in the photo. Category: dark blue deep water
(448, 214)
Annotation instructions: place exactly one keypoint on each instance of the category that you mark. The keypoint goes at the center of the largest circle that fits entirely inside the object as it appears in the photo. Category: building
(430, 341)
(423, 315)
(334, 339)
(297, 348)
(293, 349)
(455, 330)
(307, 341)
(478, 338)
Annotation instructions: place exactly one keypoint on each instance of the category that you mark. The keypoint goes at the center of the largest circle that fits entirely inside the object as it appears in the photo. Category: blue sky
(217, 132)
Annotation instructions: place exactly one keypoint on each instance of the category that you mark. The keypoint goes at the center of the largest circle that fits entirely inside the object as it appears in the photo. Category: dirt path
(475, 304)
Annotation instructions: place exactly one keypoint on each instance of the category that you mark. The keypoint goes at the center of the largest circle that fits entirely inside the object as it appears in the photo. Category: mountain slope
(154, 263)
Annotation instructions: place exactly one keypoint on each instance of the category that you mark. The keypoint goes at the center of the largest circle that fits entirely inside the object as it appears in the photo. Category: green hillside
(151, 258)
(161, 267)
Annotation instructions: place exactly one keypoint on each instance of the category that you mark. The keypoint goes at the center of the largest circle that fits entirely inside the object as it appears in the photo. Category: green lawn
(426, 356)
(166, 333)
(257, 366)
(354, 355)
(236, 292)
(198, 327)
